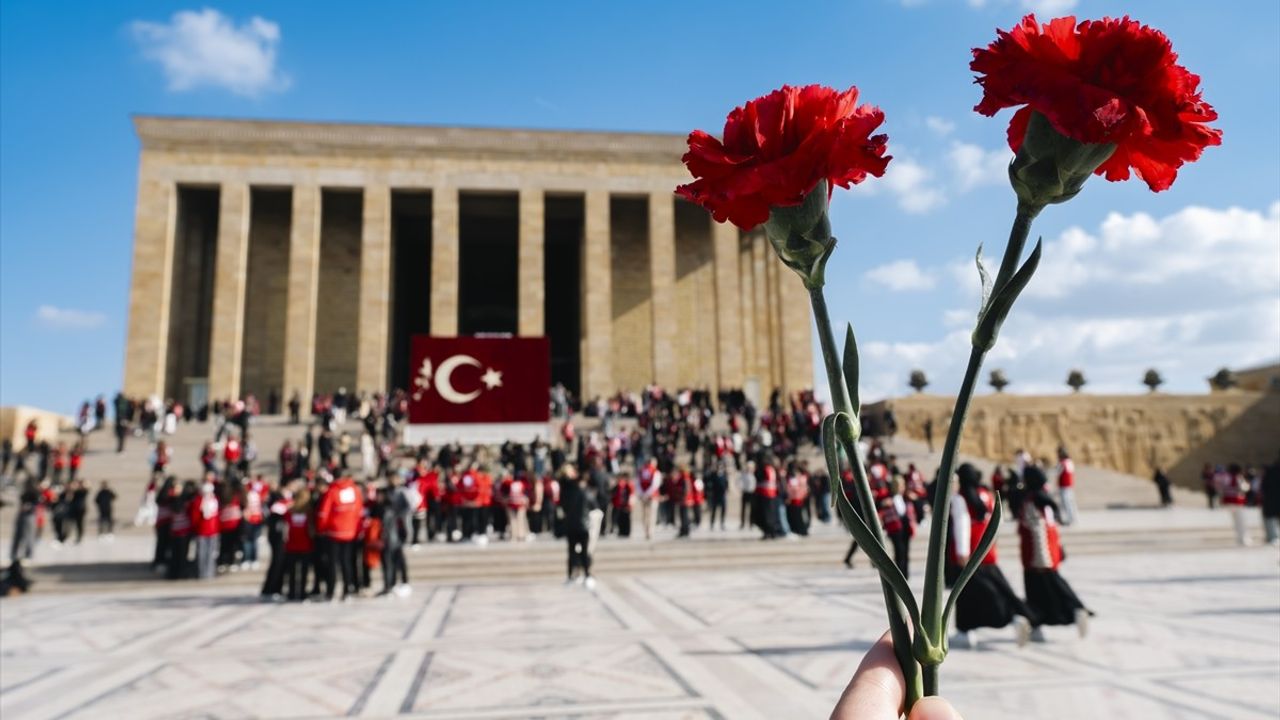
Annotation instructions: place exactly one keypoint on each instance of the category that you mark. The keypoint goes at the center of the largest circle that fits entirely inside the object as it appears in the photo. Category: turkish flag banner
(479, 380)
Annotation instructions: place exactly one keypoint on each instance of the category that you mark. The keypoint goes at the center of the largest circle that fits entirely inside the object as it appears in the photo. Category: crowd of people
(1236, 487)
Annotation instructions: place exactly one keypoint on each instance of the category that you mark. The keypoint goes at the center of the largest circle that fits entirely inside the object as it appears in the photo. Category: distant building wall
(14, 419)
(1128, 433)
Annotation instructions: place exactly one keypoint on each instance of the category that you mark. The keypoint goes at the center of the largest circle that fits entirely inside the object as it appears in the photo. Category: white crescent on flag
(444, 380)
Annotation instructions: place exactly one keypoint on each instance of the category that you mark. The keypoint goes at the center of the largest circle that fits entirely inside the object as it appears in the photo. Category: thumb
(933, 708)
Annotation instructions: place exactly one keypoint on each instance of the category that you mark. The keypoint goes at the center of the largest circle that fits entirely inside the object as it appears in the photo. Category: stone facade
(1129, 433)
(264, 259)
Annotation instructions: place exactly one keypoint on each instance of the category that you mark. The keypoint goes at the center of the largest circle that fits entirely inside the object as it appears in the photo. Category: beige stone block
(632, 304)
(227, 336)
(797, 331)
(304, 284)
(444, 261)
(695, 299)
(662, 276)
(531, 302)
(597, 298)
(724, 238)
(375, 290)
(747, 316)
(151, 286)
(760, 281)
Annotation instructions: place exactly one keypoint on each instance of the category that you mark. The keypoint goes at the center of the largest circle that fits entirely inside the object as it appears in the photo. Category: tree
(918, 380)
(1152, 379)
(1076, 380)
(1224, 379)
(998, 380)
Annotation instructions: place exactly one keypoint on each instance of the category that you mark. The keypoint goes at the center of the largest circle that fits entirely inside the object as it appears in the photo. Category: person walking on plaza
(299, 545)
(230, 518)
(717, 488)
(105, 501)
(648, 484)
(1271, 502)
(987, 600)
(747, 489)
(77, 507)
(397, 514)
(577, 502)
(276, 521)
(180, 528)
(1207, 474)
(622, 500)
(766, 498)
(205, 526)
(24, 524)
(1233, 491)
(797, 500)
(1163, 487)
(1067, 486)
(338, 518)
(1050, 598)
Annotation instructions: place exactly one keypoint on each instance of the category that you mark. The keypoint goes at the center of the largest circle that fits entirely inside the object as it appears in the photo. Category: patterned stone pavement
(1191, 635)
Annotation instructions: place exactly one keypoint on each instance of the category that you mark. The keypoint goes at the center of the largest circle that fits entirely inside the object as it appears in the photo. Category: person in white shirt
(648, 495)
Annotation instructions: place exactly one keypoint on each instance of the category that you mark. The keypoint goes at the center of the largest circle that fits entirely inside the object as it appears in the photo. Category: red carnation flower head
(1103, 82)
(777, 148)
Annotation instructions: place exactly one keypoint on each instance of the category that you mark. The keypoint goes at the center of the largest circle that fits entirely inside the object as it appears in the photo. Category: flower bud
(1051, 167)
(801, 235)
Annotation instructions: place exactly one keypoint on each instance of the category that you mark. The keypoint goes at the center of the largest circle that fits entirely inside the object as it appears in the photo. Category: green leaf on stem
(994, 314)
(975, 560)
(850, 367)
(834, 436)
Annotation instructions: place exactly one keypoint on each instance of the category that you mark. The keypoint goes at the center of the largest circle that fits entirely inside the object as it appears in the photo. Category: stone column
(597, 298)
(304, 286)
(760, 284)
(662, 280)
(748, 312)
(531, 301)
(227, 342)
(797, 333)
(151, 289)
(375, 290)
(724, 239)
(444, 261)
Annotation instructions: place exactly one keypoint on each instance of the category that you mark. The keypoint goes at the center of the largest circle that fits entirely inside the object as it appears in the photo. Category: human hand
(877, 690)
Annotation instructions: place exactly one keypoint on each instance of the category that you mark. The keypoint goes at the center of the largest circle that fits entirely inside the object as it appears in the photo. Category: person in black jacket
(576, 503)
(1271, 502)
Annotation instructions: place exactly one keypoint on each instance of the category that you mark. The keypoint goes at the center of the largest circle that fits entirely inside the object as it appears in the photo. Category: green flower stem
(932, 648)
(841, 403)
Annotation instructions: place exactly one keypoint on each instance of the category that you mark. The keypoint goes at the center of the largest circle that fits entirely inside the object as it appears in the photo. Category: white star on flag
(491, 379)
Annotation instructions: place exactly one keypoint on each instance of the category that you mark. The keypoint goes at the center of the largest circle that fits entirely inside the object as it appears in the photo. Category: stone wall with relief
(1128, 433)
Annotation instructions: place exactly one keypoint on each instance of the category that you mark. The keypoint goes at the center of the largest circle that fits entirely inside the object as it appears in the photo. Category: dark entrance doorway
(563, 277)
(410, 277)
(488, 255)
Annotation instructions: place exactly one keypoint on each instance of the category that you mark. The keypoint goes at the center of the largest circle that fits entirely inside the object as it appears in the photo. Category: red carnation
(1104, 81)
(776, 148)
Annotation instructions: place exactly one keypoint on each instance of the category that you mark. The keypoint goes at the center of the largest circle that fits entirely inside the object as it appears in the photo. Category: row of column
(749, 297)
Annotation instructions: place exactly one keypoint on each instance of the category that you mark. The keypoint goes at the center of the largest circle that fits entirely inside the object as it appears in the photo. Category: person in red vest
(623, 499)
(74, 460)
(1050, 598)
(59, 462)
(230, 518)
(766, 497)
(338, 519)
(180, 532)
(515, 497)
(205, 525)
(1233, 492)
(1067, 486)
(30, 434)
(469, 499)
(550, 501)
(485, 508)
(255, 494)
(798, 500)
(683, 497)
(299, 544)
(418, 484)
(987, 600)
(231, 452)
(896, 515)
(648, 493)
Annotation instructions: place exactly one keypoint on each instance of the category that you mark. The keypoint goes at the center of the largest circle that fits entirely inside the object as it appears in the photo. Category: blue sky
(1187, 280)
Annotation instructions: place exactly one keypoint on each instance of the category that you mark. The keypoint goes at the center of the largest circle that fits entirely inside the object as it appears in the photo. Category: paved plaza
(1177, 635)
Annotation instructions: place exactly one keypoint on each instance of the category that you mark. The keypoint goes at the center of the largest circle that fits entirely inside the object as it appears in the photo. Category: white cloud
(941, 126)
(973, 166)
(901, 275)
(910, 183)
(205, 48)
(68, 318)
(1187, 293)
(1043, 8)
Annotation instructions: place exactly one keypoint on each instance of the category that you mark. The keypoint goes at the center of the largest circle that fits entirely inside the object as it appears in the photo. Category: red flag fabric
(479, 380)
